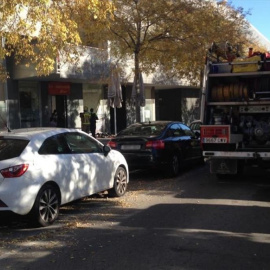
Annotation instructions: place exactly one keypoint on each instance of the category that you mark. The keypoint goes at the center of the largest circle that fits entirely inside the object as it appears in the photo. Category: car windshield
(143, 130)
(10, 148)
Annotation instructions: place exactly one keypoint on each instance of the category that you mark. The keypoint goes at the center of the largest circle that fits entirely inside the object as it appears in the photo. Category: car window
(54, 145)
(195, 126)
(11, 148)
(175, 131)
(158, 129)
(80, 143)
(187, 131)
(143, 130)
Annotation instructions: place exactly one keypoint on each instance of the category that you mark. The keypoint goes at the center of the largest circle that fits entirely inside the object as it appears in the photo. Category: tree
(36, 31)
(172, 36)
(168, 36)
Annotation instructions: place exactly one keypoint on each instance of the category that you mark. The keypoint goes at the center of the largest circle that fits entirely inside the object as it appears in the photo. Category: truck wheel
(46, 207)
(240, 168)
(222, 176)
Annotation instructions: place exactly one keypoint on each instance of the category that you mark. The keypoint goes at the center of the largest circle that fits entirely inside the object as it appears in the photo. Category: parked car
(160, 144)
(195, 126)
(43, 168)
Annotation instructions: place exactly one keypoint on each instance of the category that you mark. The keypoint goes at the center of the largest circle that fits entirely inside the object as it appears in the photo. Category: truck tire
(221, 176)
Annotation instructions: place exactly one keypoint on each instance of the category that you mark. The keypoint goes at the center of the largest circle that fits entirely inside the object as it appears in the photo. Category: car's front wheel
(46, 207)
(120, 183)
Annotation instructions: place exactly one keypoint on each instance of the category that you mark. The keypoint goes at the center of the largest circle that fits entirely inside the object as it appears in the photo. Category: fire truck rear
(235, 111)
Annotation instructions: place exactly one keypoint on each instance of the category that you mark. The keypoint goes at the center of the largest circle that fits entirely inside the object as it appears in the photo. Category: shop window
(148, 112)
(29, 104)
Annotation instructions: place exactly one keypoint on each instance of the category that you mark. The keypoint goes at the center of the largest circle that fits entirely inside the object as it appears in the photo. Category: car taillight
(159, 144)
(14, 171)
(112, 144)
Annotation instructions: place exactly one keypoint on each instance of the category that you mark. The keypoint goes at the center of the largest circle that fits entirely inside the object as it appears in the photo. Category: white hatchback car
(43, 168)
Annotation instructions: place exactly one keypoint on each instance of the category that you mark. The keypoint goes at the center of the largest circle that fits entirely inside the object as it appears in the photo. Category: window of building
(29, 104)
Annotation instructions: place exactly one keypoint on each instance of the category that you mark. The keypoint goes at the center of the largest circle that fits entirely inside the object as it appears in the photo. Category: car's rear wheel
(46, 207)
(174, 166)
(120, 183)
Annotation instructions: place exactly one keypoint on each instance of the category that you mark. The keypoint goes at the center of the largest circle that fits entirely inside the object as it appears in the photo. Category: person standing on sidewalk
(93, 119)
(53, 119)
(85, 117)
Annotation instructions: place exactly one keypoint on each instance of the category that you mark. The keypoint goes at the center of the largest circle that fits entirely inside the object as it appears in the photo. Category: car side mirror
(106, 150)
(197, 134)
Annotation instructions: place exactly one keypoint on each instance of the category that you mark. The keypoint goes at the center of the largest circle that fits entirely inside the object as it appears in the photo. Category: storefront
(38, 100)
(29, 103)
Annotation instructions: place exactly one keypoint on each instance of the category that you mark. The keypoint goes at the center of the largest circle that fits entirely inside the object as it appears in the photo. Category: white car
(43, 168)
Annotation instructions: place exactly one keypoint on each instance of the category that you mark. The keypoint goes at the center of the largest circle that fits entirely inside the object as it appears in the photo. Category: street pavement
(190, 222)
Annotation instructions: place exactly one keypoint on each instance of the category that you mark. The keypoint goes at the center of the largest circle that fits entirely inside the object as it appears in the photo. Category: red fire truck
(235, 111)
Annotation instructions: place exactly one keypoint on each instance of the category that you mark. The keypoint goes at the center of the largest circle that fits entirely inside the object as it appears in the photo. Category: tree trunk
(137, 86)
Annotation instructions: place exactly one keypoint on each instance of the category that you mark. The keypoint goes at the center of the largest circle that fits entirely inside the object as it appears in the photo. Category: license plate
(130, 147)
(215, 140)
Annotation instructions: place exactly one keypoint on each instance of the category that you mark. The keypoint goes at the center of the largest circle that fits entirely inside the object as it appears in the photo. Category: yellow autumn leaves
(171, 35)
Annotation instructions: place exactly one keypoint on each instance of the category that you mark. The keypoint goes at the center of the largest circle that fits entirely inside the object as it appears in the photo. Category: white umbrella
(115, 93)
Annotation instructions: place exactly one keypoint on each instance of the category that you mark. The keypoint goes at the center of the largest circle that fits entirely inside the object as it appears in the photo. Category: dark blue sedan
(162, 144)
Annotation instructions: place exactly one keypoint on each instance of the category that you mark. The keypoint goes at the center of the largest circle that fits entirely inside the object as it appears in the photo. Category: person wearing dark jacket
(93, 119)
(53, 119)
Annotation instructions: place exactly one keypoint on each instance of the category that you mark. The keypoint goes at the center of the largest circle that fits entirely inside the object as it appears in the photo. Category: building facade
(27, 100)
